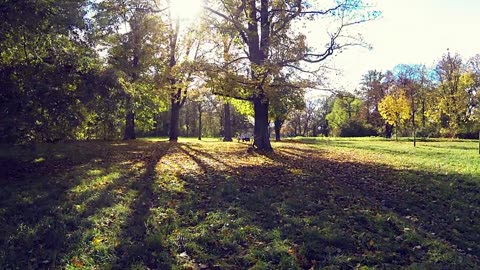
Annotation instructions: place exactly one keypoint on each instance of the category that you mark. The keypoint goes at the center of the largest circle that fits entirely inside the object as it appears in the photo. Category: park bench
(243, 138)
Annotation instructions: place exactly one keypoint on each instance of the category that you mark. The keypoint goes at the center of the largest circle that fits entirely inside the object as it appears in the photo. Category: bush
(355, 128)
(467, 135)
(428, 132)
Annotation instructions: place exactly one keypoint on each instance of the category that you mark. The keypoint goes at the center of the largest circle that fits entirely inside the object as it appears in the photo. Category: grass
(433, 155)
(318, 203)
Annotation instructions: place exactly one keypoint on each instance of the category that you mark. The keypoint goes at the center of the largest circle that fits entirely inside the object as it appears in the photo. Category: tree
(45, 55)
(395, 109)
(345, 108)
(134, 37)
(452, 99)
(374, 87)
(474, 65)
(414, 79)
(227, 127)
(266, 30)
(104, 119)
(323, 110)
(284, 100)
(183, 61)
(372, 90)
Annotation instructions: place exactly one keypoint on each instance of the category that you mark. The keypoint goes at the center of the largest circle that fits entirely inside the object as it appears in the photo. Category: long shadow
(436, 201)
(40, 224)
(379, 149)
(32, 197)
(332, 210)
(458, 147)
(189, 149)
(432, 153)
(135, 248)
(302, 210)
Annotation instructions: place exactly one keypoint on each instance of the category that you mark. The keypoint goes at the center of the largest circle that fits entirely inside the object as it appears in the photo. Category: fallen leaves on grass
(206, 205)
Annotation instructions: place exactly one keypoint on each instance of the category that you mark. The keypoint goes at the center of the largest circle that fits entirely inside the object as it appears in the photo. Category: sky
(411, 32)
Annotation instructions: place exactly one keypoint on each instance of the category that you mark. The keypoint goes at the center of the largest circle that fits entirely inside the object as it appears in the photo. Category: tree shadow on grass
(472, 148)
(34, 186)
(226, 209)
(50, 210)
(305, 210)
(192, 153)
(444, 205)
(137, 246)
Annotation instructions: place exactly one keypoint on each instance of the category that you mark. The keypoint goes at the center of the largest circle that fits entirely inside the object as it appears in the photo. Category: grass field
(325, 203)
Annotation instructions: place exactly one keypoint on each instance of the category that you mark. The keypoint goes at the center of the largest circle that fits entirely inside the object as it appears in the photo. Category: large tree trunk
(228, 123)
(130, 115)
(261, 135)
(258, 47)
(174, 118)
(278, 126)
(129, 133)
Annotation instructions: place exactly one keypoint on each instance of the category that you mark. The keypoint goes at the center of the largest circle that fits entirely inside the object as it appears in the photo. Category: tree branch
(223, 94)
(241, 30)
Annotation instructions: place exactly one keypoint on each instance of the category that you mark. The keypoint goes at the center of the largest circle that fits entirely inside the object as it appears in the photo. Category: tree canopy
(117, 69)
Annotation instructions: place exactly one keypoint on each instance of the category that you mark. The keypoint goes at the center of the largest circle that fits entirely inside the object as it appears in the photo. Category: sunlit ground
(314, 203)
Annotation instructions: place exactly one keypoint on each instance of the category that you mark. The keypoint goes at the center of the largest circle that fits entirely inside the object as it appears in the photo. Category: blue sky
(412, 32)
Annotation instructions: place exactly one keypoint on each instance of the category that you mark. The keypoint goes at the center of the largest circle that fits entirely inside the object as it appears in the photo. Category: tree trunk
(129, 133)
(261, 135)
(199, 121)
(326, 128)
(104, 130)
(388, 131)
(130, 115)
(414, 131)
(278, 126)
(414, 137)
(424, 118)
(413, 123)
(228, 124)
(396, 131)
(187, 121)
(174, 118)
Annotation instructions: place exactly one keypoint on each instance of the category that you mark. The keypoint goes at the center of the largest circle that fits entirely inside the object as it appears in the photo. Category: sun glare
(186, 9)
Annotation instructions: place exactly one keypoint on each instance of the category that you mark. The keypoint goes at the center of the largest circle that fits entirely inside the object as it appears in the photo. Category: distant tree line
(440, 101)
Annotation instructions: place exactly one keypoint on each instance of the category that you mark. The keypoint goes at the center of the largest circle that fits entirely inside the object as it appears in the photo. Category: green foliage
(285, 99)
(428, 132)
(138, 54)
(356, 128)
(243, 107)
(345, 108)
(44, 61)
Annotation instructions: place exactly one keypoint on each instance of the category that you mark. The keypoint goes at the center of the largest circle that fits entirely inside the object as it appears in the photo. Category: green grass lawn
(323, 203)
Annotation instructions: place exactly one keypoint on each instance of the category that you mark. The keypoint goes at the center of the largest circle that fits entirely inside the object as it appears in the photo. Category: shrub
(428, 132)
(355, 128)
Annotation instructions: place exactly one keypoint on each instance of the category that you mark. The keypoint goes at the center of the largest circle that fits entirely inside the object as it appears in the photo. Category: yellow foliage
(395, 109)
